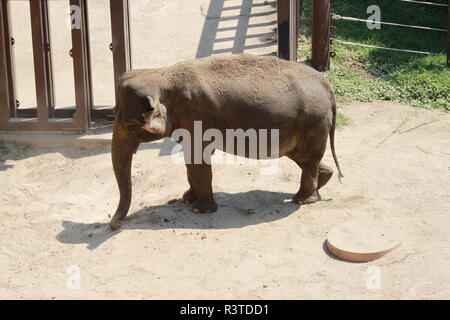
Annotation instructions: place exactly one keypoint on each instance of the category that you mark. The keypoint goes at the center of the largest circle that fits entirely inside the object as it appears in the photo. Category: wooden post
(81, 66)
(288, 26)
(121, 39)
(321, 34)
(7, 76)
(294, 29)
(448, 35)
(40, 29)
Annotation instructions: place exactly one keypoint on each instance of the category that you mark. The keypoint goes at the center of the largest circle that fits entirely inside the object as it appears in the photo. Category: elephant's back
(260, 89)
(243, 67)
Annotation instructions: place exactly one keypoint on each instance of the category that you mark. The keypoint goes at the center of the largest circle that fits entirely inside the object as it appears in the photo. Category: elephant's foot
(306, 197)
(189, 197)
(204, 206)
(115, 221)
(115, 225)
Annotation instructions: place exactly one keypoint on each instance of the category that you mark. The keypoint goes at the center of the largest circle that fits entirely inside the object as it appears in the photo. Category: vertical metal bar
(81, 66)
(121, 38)
(40, 31)
(321, 34)
(4, 83)
(293, 29)
(88, 59)
(288, 24)
(299, 16)
(448, 35)
(7, 75)
(48, 59)
(283, 28)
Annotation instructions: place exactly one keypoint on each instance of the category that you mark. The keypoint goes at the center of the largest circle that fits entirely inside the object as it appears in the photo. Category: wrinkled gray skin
(226, 92)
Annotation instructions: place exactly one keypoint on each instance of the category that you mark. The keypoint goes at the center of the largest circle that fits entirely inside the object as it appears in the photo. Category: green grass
(373, 74)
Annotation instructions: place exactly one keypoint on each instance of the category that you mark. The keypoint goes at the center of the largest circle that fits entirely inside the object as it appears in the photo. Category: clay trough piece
(363, 240)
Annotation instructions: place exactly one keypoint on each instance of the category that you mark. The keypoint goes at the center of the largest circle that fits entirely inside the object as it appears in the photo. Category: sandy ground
(55, 205)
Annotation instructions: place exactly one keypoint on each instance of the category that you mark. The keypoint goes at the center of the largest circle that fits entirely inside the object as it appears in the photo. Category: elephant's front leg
(200, 192)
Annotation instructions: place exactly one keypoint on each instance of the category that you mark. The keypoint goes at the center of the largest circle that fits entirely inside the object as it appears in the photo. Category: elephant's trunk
(124, 145)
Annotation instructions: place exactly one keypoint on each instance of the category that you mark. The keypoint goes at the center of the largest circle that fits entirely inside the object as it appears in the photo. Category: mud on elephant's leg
(200, 176)
(308, 192)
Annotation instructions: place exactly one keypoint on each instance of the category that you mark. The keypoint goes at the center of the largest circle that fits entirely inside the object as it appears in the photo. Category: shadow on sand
(237, 43)
(233, 212)
(19, 151)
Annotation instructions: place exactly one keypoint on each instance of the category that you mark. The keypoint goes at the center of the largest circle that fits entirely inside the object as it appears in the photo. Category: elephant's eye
(132, 127)
(147, 115)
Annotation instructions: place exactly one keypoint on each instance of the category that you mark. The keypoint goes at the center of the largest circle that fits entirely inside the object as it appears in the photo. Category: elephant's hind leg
(309, 194)
(308, 155)
(309, 185)
(200, 179)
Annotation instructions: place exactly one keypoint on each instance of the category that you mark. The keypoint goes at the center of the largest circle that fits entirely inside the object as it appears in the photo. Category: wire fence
(334, 41)
(353, 19)
(338, 17)
(426, 3)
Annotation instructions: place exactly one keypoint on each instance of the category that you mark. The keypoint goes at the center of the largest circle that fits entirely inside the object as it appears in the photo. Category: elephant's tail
(332, 130)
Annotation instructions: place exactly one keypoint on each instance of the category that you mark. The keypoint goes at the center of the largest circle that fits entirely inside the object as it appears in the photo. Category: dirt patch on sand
(55, 205)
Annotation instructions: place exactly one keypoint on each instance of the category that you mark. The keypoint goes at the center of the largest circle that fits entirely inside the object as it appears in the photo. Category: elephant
(225, 92)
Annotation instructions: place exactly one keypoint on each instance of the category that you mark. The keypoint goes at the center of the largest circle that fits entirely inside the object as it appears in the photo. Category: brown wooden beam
(294, 23)
(81, 65)
(448, 35)
(32, 125)
(121, 38)
(283, 29)
(321, 34)
(103, 113)
(288, 28)
(40, 30)
(7, 76)
(88, 64)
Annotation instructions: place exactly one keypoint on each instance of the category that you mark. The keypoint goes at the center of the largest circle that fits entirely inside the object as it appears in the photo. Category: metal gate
(288, 28)
(45, 117)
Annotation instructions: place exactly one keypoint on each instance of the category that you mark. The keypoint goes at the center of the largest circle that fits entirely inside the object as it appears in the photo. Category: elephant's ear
(130, 105)
(156, 120)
